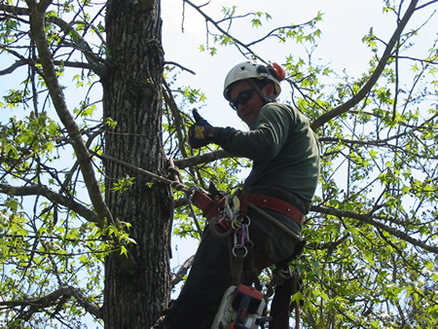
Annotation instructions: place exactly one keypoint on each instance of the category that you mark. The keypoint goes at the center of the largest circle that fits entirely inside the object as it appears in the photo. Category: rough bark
(135, 286)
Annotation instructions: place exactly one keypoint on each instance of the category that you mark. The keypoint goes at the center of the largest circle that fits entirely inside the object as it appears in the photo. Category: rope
(173, 183)
(176, 184)
(276, 222)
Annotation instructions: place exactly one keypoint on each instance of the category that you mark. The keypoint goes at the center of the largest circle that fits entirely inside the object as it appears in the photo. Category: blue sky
(344, 24)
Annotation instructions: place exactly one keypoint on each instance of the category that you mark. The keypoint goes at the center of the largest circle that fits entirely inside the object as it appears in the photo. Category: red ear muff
(278, 71)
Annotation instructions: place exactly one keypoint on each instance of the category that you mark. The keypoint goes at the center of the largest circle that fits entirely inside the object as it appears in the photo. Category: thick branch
(326, 117)
(366, 218)
(203, 158)
(22, 62)
(80, 65)
(14, 10)
(38, 304)
(12, 68)
(182, 271)
(52, 196)
(57, 96)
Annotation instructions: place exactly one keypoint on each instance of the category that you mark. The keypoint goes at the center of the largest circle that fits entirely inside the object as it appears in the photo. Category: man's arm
(265, 139)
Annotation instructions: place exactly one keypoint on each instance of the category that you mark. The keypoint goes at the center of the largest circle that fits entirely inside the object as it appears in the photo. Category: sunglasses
(242, 98)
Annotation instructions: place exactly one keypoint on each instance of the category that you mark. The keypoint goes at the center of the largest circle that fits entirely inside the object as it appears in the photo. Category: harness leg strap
(281, 307)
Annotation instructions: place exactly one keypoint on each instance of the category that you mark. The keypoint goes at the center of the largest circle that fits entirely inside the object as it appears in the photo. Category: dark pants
(210, 275)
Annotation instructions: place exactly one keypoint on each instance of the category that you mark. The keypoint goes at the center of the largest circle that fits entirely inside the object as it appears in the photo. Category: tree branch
(329, 245)
(38, 304)
(182, 271)
(374, 77)
(367, 218)
(43, 5)
(221, 30)
(203, 158)
(80, 65)
(57, 96)
(12, 68)
(237, 42)
(52, 196)
(271, 34)
(95, 61)
(14, 10)
(178, 120)
(377, 142)
(180, 66)
(22, 62)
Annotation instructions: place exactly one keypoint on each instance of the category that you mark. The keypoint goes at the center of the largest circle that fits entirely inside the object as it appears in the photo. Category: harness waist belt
(271, 203)
(210, 207)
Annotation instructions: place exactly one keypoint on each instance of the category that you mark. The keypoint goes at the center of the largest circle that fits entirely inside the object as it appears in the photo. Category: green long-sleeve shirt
(283, 148)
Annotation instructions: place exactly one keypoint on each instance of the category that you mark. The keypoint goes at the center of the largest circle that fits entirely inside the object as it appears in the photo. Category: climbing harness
(228, 218)
(242, 306)
(212, 208)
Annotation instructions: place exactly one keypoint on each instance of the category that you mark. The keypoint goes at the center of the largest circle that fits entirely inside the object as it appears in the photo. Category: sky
(344, 24)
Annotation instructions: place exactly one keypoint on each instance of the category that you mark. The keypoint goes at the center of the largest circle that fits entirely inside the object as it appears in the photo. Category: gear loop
(249, 244)
(235, 225)
(237, 251)
(245, 220)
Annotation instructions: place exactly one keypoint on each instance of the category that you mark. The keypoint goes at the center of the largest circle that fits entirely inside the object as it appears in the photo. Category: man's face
(247, 100)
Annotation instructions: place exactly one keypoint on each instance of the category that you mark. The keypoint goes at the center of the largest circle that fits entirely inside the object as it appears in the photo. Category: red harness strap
(211, 208)
(269, 202)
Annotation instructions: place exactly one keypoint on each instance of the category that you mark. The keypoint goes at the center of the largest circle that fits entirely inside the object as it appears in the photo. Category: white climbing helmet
(254, 70)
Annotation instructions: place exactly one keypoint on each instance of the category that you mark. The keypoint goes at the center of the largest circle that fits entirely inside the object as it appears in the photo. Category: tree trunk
(136, 286)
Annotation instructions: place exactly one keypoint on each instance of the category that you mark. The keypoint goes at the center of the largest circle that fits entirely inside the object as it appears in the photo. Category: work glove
(201, 133)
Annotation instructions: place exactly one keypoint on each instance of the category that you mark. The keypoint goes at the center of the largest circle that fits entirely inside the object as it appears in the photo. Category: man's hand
(201, 132)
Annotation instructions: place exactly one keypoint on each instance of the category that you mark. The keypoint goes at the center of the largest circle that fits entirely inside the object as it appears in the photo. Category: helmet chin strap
(265, 98)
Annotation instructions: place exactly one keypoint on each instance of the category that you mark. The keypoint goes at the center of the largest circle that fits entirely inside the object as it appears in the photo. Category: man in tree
(282, 182)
